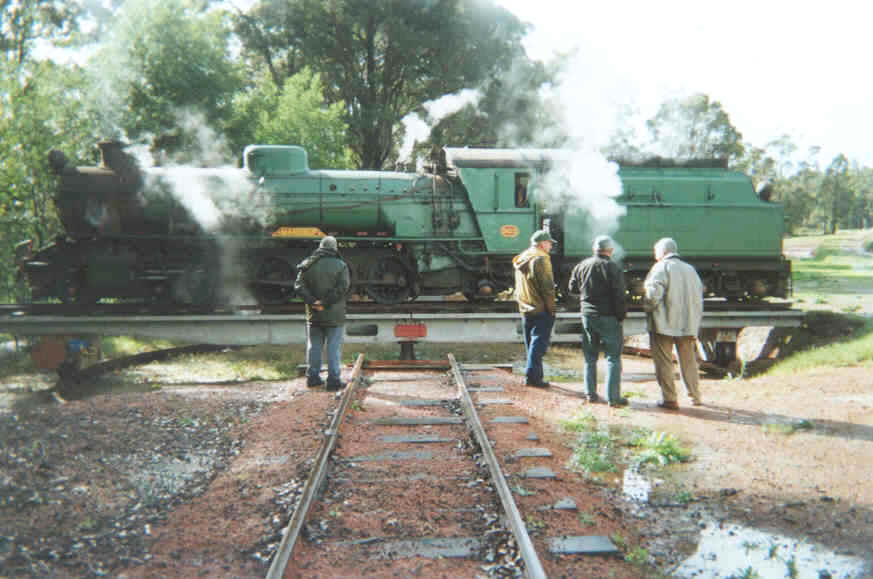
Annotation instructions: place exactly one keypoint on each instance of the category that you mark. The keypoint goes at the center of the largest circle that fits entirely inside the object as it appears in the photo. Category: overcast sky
(776, 66)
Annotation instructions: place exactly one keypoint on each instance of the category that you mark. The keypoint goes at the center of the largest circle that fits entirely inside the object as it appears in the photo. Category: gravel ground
(197, 479)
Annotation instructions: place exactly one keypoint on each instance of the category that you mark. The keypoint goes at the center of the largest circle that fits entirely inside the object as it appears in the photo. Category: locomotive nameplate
(511, 231)
(298, 232)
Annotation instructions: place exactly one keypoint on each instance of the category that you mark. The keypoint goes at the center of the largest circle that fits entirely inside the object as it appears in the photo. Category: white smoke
(417, 129)
(217, 194)
(589, 104)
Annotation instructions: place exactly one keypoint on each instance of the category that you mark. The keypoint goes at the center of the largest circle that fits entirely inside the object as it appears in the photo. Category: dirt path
(791, 456)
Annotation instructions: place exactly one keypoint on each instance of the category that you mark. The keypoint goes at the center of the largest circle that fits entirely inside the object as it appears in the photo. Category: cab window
(521, 189)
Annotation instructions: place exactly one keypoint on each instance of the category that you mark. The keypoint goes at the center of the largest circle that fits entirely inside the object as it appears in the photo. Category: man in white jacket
(674, 300)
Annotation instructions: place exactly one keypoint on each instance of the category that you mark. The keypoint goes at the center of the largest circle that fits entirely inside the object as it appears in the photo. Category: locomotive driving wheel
(388, 281)
(275, 281)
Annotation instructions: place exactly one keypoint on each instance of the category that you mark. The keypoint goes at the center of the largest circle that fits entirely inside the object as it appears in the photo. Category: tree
(861, 184)
(695, 127)
(37, 114)
(834, 194)
(383, 58)
(170, 60)
(23, 22)
(296, 115)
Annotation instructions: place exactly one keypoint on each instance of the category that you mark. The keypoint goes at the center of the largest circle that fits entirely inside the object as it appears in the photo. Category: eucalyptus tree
(834, 195)
(382, 58)
(695, 127)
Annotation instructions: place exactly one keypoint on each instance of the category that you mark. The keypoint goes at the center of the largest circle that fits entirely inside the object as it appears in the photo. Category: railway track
(419, 475)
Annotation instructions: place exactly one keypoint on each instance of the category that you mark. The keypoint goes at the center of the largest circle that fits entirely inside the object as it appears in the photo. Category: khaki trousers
(662, 354)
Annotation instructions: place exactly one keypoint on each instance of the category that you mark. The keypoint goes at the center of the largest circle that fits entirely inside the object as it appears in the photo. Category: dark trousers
(537, 333)
(603, 333)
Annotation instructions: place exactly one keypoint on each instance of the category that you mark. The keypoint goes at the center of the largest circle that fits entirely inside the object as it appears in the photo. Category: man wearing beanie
(535, 294)
(323, 281)
(599, 282)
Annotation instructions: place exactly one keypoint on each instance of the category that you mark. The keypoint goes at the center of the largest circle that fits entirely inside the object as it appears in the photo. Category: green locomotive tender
(206, 236)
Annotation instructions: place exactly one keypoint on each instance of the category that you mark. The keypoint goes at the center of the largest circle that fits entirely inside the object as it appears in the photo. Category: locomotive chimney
(123, 164)
(112, 155)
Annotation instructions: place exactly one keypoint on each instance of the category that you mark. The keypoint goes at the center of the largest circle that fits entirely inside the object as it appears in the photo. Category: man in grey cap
(599, 282)
(535, 294)
(323, 281)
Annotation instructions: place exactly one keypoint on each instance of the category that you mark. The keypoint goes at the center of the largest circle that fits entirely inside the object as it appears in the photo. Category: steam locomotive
(234, 235)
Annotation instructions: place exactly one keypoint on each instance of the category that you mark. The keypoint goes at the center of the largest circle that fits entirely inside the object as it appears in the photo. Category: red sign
(509, 231)
(409, 331)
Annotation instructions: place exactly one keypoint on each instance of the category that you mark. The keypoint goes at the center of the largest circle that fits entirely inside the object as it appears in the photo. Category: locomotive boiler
(234, 235)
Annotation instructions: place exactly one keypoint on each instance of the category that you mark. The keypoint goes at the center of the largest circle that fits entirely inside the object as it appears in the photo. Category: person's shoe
(314, 383)
(540, 384)
(697, 402)
(593, 398)
(620, 402)
(668, 405)
(334, 386)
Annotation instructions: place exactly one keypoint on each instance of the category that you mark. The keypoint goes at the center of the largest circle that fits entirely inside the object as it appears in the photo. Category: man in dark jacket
(535, 294)
(600, 284)
(323, 281)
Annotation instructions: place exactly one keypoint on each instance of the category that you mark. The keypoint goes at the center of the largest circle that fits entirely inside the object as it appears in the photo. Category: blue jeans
(603, 333)
(537, 333)
(316, 338)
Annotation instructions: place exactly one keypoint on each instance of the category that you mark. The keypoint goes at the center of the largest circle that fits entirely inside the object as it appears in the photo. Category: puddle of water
(734, 550)
(635, 486)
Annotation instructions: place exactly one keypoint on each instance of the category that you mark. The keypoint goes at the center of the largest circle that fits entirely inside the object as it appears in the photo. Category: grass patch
(835, 340)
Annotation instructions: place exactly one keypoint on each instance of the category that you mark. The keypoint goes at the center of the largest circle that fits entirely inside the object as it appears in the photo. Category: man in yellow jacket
(535, 294)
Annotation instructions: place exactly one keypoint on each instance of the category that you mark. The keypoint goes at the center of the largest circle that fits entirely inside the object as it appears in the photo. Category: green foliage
(749, 546)
(171, 71)
(747, 573)
(580, 422)
(619, 541)
(638, 557)
(849, 349)
(791, 569)
(22, 23)
(659, 448)
(36, 104)
(595, 452)
(382, 58)
(684, 497)
(295, 115)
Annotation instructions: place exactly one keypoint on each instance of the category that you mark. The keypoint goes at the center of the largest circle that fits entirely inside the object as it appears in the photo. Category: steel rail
(533, 566)
(315, 480)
